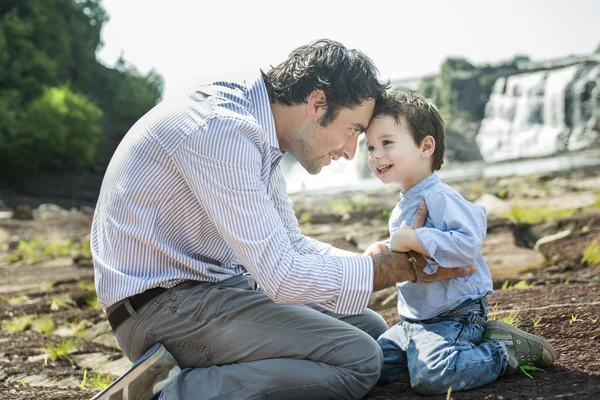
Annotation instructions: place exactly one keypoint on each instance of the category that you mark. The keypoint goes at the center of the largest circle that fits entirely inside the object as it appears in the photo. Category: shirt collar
(421, 186)
(262, 110)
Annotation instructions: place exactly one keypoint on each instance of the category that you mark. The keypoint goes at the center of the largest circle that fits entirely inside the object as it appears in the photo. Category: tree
(56, 132)
(58, 105)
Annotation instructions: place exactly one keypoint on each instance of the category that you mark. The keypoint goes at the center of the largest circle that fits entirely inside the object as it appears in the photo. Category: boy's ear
(427, 146)
(316, 104)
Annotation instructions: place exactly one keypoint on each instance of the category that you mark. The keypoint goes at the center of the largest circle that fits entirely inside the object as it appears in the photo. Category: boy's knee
(430, 384)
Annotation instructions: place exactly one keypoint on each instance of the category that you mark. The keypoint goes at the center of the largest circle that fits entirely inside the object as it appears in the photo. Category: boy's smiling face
(393, 155)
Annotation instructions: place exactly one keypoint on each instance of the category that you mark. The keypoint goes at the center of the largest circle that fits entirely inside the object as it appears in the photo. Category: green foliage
(96, 380)
(61, 350)
(340, 207)
(520, 58)
(534, 215)
(62, 301)
(43, 325)
(304, 218)
(385, 214)
(57, 131)
(92, 301)
(519, 285)
(448, 103)
(60, 109)
(38, 249)
(591, 254)
(597, 51)
(17, 324)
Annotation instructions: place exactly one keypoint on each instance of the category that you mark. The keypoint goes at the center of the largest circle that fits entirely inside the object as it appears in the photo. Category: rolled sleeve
(357, 285)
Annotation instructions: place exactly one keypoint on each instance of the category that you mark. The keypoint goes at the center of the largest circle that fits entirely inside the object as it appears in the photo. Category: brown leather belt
(120, 314)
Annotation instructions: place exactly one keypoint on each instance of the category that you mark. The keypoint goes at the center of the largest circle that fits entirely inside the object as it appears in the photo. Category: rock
(23, 212)
(494, 207)
(551, 238)
(51, 211)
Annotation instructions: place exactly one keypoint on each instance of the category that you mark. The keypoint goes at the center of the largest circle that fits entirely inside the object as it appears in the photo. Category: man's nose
(349, 149)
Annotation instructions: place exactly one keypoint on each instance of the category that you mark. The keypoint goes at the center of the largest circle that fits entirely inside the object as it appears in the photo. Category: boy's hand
(376, 248)
(404, 239)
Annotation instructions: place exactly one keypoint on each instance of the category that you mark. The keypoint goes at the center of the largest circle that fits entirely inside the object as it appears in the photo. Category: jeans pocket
(187, 354)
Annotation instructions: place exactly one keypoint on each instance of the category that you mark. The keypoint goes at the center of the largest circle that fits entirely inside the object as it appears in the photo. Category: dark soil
(569, 312)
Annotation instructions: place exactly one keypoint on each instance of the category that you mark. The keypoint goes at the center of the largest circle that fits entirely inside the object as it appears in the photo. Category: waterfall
(526, 115)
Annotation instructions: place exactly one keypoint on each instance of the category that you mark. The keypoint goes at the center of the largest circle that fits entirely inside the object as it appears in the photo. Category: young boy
(439, 341)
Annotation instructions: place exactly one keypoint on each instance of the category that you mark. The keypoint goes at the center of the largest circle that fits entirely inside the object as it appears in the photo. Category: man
(197, 250)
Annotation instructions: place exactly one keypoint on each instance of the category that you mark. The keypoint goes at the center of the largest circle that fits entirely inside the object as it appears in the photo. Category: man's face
(319, 145)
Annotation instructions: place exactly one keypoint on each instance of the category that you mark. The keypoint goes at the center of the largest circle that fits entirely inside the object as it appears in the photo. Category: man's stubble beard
(311, 164)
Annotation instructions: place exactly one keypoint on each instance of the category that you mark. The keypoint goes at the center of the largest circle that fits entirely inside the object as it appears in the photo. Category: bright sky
(193, 41)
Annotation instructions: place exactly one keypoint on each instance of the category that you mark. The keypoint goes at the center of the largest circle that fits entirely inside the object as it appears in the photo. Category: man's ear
(427, 146)
(316, 104)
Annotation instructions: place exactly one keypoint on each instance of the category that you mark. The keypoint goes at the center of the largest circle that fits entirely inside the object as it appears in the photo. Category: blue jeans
(444, 351)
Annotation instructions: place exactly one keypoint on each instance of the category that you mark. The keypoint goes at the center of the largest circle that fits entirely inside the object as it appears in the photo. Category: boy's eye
(370, 148)
(386, 142)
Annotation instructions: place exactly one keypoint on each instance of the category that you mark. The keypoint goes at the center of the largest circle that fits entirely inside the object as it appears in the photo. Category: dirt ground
(564, 303)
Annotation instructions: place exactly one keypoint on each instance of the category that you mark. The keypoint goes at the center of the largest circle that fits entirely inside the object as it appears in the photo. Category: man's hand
(376, 248)
(394, 267)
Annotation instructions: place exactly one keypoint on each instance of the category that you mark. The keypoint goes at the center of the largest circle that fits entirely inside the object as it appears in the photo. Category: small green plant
(511, 319)
(15, 301)
(597, 201)
(591, 254)
(574, 318)
(92, 302)
(62, 301)
(18, 324)
(60, 351)
(43, 325)
(28, 251)
(519, 285)
(567, 282)
(102, 381)
(385, 214)
(526, 369)
(83, 248)
(95, 381)
(305, 218)
(534, 215)
(536, 322)
(46, 286)
(340, 207)
(79, 327)
(58, 248)
(88, 286)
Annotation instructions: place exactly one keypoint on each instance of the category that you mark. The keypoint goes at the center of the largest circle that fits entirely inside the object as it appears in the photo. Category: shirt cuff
(357, 285)
(426, 241)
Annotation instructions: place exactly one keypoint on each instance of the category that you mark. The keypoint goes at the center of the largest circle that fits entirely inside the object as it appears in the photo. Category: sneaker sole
(503, 326)
(139, 367)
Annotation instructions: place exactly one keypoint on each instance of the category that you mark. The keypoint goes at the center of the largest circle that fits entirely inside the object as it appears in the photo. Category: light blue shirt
(195, 191)
(453, 235)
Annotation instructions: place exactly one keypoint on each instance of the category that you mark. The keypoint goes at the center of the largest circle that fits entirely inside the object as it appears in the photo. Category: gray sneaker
(523, 348)
(154, 371)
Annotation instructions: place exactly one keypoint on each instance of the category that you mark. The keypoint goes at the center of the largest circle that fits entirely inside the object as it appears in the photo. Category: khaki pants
(233, 342)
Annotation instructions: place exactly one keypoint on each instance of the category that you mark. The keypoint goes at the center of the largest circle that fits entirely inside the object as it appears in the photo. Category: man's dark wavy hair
(346, 76)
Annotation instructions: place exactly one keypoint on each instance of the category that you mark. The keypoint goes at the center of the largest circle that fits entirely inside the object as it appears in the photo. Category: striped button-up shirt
(195, 191)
